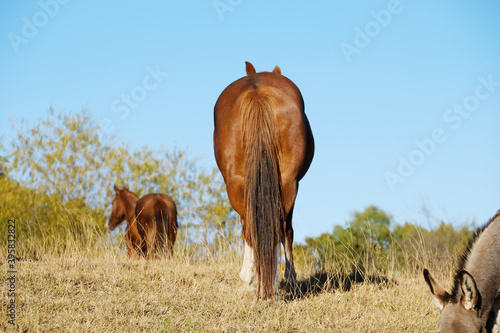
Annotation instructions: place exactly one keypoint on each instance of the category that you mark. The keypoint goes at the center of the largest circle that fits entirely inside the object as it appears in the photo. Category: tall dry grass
(84, 282)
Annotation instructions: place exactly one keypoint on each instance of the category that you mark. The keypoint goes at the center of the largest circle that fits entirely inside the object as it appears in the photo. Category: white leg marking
(247, 273)
(276, 258)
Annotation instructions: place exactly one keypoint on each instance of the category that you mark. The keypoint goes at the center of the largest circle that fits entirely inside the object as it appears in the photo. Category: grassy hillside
(56, 180)
(99, 290)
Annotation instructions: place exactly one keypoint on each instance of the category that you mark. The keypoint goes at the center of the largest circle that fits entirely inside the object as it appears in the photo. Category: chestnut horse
(157, 223)
(263, 146)
(151, 222)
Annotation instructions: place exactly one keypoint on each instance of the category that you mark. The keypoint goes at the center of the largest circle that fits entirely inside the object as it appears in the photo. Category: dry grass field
(91, 290)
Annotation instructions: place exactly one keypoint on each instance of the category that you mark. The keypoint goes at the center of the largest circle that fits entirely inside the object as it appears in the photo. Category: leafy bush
(372, 244)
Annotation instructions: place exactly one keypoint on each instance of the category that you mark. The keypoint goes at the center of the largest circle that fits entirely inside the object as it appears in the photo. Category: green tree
(366, 237)
(372, 226)
(65, 155)
(371, 241)
(416, 247)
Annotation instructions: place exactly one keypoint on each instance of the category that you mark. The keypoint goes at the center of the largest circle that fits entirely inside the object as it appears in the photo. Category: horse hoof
(246, 289)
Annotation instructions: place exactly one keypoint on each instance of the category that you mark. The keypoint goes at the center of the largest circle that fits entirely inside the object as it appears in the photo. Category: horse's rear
(157, 224)
(263, 146)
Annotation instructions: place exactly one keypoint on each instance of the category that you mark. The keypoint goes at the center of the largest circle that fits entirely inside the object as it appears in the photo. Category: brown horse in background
(124, 209)
(157, 223)
(151, 222)
(263, 146)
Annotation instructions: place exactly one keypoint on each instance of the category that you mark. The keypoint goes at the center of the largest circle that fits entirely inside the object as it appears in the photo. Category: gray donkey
(473, 304)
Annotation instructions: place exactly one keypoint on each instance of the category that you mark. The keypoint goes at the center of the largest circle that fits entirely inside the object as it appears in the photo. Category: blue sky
(403, 96)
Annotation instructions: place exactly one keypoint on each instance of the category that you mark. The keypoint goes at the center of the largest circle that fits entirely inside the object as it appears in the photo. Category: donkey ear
(250, 69)
(471, 298)
(277, 70)
(441, 296)
(117, 190)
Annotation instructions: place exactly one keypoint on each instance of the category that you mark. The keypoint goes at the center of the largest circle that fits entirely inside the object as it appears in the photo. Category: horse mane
(263, 198)
(455, 292)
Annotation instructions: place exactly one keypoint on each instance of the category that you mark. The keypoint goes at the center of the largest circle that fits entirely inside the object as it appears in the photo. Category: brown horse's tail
(263, 199)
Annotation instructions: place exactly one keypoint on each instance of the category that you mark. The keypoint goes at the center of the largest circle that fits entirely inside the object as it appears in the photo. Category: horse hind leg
(169, 232)
(247, 273)
(161, 241)
(276, 258)
(150, 240)
(160, 250)
(169, 247)
(290, 275)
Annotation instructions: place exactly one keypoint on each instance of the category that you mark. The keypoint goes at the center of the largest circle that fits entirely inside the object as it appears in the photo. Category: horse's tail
(263, 199)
